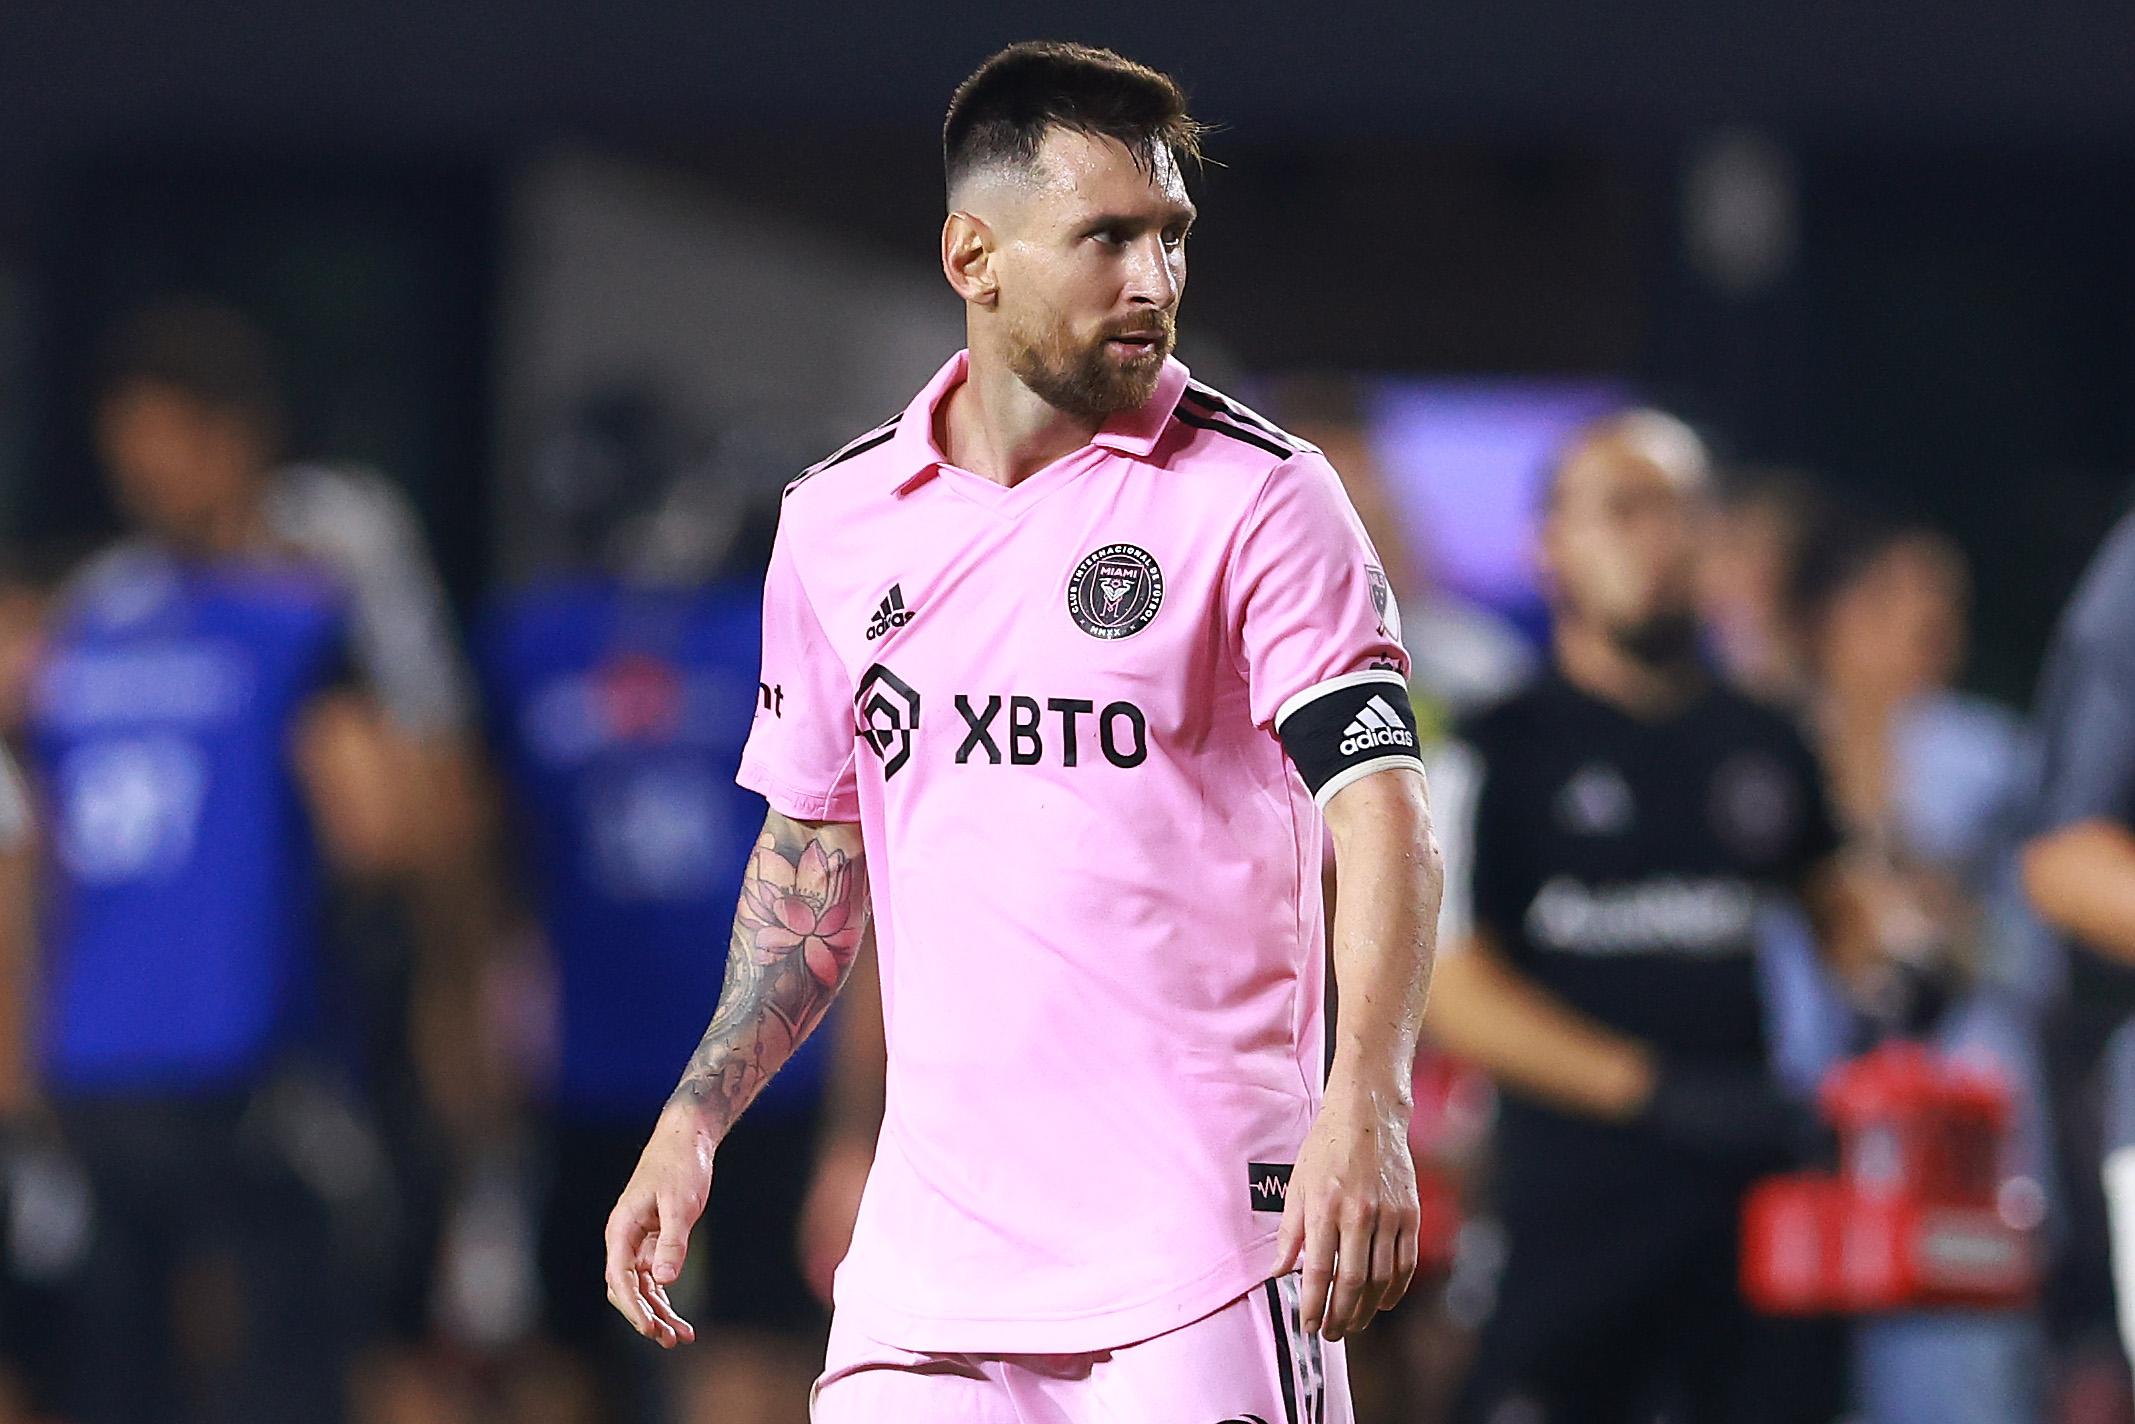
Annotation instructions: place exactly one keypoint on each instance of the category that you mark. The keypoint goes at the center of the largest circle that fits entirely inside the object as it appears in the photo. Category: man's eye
(1174, 238)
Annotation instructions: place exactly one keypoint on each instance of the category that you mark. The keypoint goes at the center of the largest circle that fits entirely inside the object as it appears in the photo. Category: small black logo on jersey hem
(1270, 1184)
(890, 613)
(1115, 592)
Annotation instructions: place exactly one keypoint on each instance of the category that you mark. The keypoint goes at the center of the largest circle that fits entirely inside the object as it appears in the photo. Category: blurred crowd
(345, 962)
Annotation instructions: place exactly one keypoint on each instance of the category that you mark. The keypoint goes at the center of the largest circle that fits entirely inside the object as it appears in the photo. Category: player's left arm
(1350, 1218)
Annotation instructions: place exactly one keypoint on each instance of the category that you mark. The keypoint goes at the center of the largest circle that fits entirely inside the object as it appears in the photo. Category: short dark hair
(1002, 113)
(1851, 537)
(203, 349)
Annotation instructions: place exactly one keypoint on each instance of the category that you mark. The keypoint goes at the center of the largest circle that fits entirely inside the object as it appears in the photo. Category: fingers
(1355, 1297)
(625, 1234)
(636, 1261)
(1322, 1241)
(672, 1328)
(1359, 1262)
(674, 1242)
(1407, 1248)
(1289, 1238)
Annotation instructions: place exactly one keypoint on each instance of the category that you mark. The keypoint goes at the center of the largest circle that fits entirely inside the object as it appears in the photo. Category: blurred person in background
(1464, 656)
(2079, 869)
(1611, 834)
(1762, 520)
(43, 1196)
(208, 749)
(620, 694)
(1928, 785)
(42, 1189)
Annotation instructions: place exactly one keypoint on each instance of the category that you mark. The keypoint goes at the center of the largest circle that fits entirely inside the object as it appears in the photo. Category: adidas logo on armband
(1376, 725)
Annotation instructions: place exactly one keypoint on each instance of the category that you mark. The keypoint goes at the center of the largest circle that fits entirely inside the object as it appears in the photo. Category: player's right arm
(797, 930)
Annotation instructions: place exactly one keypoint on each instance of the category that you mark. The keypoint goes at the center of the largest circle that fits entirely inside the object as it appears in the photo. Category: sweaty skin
(797, 930)
(1081, 262)
(1071, 274)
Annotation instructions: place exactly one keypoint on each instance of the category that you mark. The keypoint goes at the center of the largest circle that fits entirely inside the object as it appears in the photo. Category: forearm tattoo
(803, 910)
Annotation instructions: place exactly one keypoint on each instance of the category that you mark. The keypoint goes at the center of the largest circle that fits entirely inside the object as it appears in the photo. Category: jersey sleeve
(2087, 698)
(2089, 744)
(802, 753)
(400, 633)
(1317, 632)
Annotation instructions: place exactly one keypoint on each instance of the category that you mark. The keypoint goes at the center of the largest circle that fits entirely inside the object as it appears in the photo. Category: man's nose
(1152, 277)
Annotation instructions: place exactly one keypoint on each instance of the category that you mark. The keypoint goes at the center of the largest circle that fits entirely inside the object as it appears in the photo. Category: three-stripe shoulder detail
(1205, 409)
(860, 445)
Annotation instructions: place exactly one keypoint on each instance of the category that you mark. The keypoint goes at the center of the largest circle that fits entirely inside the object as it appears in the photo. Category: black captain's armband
(1349, 727)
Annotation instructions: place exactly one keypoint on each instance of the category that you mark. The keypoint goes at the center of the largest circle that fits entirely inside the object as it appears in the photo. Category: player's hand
(648, 1232)
(1350, 1217)
(1732, 1115)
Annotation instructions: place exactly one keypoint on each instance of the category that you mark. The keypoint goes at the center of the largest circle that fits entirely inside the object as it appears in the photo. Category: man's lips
(1137, 341)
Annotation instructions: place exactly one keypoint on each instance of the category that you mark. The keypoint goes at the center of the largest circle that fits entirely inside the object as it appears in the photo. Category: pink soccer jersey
(1053, 708)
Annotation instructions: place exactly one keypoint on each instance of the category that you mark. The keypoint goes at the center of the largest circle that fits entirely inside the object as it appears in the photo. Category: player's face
(1091, 263)
(175, 462)
(1620, 546)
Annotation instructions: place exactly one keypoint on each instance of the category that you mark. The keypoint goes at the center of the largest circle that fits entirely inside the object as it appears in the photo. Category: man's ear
(967, 253)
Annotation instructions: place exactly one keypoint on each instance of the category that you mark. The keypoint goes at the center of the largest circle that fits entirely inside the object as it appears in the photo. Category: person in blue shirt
(205, 757)
(619, 702)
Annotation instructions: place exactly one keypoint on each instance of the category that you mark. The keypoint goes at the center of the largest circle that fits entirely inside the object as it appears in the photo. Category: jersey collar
(913, 450)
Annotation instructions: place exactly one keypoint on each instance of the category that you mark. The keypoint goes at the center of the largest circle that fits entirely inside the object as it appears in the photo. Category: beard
(1092, 380)
(1662, 640)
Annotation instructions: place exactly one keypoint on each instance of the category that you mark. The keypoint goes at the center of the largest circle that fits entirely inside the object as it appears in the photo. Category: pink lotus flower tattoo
(807, 907)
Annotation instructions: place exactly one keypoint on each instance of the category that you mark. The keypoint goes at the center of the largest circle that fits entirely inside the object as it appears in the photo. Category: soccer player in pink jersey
(1063, 669)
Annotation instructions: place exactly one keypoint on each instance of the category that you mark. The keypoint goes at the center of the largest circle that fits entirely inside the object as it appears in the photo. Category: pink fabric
(1248, 1360)
(1102, 982)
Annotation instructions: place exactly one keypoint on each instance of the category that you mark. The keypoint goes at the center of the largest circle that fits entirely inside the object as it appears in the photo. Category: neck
(1597, 665)
(996, 427)
(221, 531)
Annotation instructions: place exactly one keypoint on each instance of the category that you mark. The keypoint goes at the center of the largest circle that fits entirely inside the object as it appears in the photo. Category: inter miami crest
(1115, 591)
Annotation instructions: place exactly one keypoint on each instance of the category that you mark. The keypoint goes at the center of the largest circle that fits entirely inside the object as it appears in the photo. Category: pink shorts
(1248, 1363)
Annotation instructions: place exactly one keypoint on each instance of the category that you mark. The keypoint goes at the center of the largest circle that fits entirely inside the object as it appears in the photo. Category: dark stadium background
(1492, 188)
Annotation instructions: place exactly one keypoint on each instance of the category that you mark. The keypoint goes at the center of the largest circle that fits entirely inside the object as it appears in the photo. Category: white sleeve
(14, 804)
(1454, 771)
(364, 527)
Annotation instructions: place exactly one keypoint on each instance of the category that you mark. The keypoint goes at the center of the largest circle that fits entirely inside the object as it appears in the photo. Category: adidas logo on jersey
(1377, 725)
(890, 614)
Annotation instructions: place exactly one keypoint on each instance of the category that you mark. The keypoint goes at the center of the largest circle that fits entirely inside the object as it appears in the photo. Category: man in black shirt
(1630, 818)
